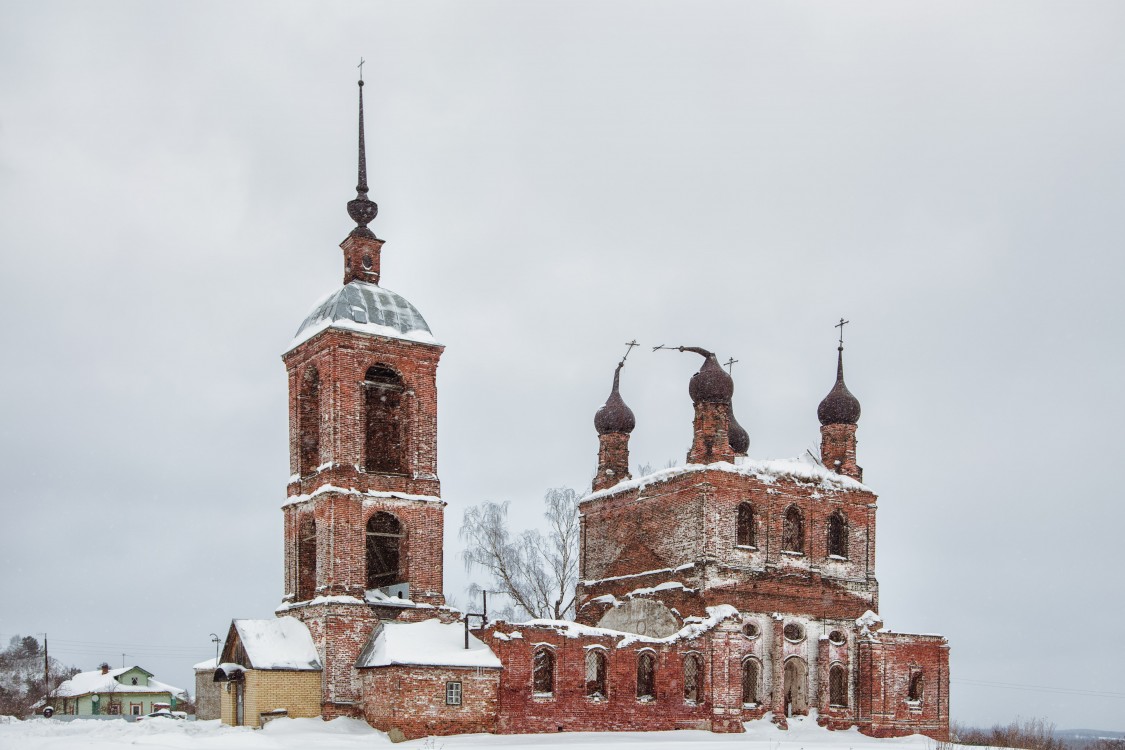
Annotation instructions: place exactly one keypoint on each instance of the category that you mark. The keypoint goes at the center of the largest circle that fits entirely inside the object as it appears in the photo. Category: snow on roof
(768, 471)
(365, 308)
(427, 643)
(369, 493)
(281, 643)
(85, 683)
(210, 664)
(693, 627)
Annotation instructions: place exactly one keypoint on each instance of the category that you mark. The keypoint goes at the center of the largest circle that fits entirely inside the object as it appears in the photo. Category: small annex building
(709, 595)
(268, 668)
(129, 691)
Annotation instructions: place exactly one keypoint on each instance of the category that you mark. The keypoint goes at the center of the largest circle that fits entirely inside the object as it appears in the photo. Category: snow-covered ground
(345, 734)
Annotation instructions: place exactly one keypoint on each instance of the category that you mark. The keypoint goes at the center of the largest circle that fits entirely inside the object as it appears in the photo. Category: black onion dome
(737, 435)
(614, 415)
(711, 384)
(839, 406)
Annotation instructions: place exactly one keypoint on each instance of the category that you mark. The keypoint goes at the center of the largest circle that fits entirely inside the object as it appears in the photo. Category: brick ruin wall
(691, 520)
(411, 701)
(341, 523)
(341, 359)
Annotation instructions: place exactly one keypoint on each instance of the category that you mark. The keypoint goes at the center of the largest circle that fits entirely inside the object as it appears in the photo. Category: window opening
(543, 672)
(749, 681)
(837, 535)
(595, 674)
(308, 422)
(384, 534)
(646, 677)
(453, 693)
(837, 638)
(746, 525)
(693, 678)
(751, 630)
(793, 531)
(917, 687)
(386, 434)
(837, 686)
(306, 559)
(794, 632)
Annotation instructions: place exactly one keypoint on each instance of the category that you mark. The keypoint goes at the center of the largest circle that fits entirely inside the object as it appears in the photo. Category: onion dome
(614, 415)
(362, 209)
(737, 435)
(839, 406)
(711, 384)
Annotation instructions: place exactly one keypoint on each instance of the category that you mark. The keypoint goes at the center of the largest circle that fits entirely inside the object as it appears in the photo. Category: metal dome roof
(367, 308)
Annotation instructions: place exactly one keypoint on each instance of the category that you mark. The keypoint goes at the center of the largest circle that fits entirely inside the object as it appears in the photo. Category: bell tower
(364, 516)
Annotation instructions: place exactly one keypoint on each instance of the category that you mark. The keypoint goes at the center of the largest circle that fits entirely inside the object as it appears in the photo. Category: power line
(1041, 688)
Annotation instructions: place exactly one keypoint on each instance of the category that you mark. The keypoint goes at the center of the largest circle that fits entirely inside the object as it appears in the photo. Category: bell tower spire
(362, 249)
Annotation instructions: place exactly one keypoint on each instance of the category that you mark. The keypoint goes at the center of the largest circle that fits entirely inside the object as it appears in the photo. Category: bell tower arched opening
(385, 421)
(384, 559)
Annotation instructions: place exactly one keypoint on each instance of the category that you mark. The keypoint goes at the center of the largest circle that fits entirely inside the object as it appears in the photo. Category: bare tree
(537, 572)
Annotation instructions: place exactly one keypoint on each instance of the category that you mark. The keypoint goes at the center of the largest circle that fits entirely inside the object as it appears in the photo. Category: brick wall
(339, 631)
(267, 690)
(207, 694)
(410, 702)
(341, 359)
(341, 557)
(886, 664)
(690, 520)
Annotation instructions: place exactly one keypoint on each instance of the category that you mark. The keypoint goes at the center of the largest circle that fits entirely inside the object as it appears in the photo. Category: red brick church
(710, 594)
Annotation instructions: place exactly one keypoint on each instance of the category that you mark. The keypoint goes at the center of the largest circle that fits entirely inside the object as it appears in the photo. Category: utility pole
(46, 672)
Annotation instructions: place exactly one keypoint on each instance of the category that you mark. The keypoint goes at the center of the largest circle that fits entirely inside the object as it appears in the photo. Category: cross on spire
(360, 66)
(729, 364)
(628, 349)
(841, 325)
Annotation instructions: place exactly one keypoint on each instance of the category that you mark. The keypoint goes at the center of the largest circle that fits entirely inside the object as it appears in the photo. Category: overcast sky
(555, 180)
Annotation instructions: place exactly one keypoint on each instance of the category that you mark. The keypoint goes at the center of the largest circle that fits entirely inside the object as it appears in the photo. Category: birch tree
(537, 571)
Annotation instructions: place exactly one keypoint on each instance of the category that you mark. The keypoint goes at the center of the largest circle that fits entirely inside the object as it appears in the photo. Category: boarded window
(693, 678)
(917, 687)
(308, 421)
(384, 534)
(543, 672)
(837, 535)
(595, 674)
(746, 525)
(646, 677)
(793, 531)
(750, 681)
(386, 423)
(306, 559)
(837, 686)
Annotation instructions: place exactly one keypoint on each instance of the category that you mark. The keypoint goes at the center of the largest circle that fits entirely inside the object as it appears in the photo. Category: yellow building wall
(267, 690)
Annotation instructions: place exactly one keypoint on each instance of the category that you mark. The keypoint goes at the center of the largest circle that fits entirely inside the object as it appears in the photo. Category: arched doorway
(796, 686)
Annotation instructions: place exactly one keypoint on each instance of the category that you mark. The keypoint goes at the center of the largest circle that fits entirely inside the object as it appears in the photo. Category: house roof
(430, 643)
(278, 643)
(86, 683)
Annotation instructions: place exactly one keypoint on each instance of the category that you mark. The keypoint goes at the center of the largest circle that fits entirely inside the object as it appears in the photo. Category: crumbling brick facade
(709, 595)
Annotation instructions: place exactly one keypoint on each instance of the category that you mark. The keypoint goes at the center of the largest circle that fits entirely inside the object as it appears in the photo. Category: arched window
(386, 423)
(693, 678)
(646, 676)
(306, 559)
(917, 688)
(543, 672)
(746, 525)
(750, 672)
(793, 531)
(837, 686)
(595, 674)
(837, 535)
(308, 421)
(384, 533)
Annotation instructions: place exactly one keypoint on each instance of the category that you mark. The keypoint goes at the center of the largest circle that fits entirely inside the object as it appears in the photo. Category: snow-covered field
(345, 734)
